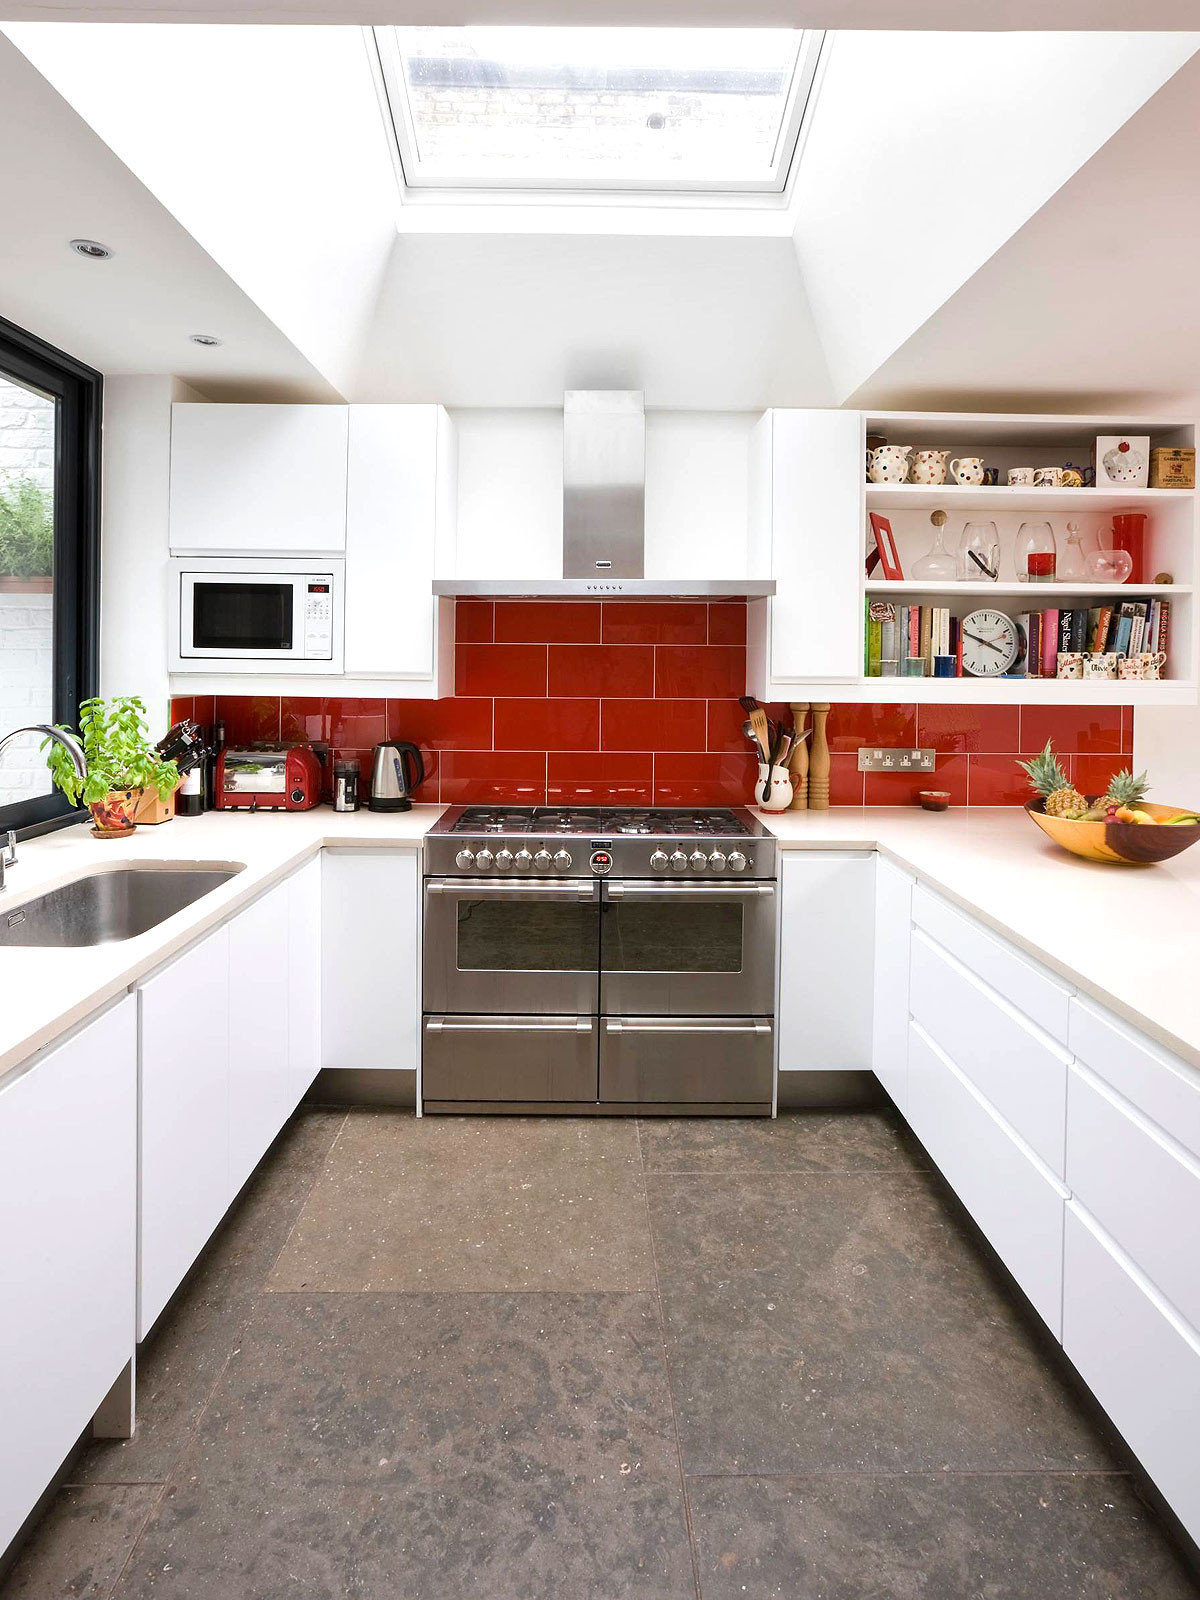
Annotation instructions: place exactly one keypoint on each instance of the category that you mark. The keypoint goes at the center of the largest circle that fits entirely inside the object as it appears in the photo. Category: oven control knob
(543, 860)
(465, 859)
(484, 859)
(524, 860)
(697, 861)
(658, 861)
(504, 860)
(562, 860)
(678, 861)
(716, 861)
(737, 861)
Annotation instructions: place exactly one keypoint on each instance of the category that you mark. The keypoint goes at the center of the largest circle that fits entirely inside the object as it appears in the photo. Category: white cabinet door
(304, 975)
(815, 511)
(251, 478)
(399, 534)
(371, 967)
(262, 1093)
(68, 1264)
(826, 956)
(893, 942)
(184, 1136)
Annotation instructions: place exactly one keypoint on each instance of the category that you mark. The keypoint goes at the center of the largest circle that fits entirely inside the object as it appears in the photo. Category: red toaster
(273, 777)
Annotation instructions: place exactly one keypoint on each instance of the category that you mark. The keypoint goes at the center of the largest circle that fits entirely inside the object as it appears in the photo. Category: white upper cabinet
(806, 519)
(248, 479)
(399, 533)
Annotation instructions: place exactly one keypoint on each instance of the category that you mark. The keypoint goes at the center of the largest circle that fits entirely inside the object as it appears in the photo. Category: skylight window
(654, 109)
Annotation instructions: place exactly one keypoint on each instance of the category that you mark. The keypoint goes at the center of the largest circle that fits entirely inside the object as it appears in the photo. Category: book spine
(914, 630)
(923, 645)
(1066, 622)
(1051, 632)
(1164, 626)
(1079, 629)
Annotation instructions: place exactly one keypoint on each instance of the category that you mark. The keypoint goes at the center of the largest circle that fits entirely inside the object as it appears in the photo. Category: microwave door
(231, 615)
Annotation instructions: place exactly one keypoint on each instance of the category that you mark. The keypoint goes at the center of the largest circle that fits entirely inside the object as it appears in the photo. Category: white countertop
(1128, 936)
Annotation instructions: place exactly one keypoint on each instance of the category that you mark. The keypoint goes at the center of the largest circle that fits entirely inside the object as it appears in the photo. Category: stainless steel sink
(110, 904)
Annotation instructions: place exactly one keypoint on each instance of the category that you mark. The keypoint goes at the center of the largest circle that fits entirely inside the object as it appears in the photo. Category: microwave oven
(244, 616)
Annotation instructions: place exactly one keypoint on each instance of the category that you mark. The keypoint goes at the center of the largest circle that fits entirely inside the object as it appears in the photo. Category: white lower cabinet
(262, 1094)
(304, 974)
(371, 959)
(826, 957)
(68, 1194)
(893, 941)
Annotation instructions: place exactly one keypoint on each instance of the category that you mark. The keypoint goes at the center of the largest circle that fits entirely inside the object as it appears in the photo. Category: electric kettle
(394, 777)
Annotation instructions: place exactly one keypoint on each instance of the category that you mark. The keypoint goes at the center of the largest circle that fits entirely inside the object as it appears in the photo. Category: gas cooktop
(655, 823)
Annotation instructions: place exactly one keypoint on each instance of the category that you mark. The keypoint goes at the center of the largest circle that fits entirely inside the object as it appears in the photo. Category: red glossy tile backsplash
(636, 703)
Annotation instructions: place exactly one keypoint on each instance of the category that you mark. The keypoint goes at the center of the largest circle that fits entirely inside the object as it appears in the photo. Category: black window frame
(78, 392)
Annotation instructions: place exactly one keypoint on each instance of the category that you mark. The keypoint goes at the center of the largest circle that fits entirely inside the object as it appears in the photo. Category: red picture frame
(885, 549)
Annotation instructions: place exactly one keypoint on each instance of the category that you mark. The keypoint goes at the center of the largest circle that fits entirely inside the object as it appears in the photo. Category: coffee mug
(1021, 475)
(1048, 477)
(1097, 664)
(1153, 661)
(1070, 664)
(967, 469)
(991, 475)
(1131, 669)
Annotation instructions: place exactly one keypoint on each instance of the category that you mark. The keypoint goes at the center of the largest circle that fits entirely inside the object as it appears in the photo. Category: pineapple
(1124, 796)
(1061, 798)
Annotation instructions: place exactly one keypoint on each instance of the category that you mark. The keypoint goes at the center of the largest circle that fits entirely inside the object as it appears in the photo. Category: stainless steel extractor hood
(604, 514)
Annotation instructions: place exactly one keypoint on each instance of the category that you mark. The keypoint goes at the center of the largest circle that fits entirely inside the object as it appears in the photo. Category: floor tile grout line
(934, 1473)
(307, 1197)
(151, 1512)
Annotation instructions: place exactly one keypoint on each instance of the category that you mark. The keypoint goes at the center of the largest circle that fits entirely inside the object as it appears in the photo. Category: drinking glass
(979, 553)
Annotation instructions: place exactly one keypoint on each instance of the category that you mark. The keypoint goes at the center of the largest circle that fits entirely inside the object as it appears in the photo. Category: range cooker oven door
(511, 947)
(687, 950)
(722, 1063)
(522, 1060)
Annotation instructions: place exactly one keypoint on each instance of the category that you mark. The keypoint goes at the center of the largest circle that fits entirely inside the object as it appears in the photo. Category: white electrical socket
(871, 758)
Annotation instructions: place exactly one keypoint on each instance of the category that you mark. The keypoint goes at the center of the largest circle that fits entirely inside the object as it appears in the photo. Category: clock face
(990, 643)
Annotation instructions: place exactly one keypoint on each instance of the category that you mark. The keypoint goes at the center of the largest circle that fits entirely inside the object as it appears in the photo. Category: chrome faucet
(8, 852)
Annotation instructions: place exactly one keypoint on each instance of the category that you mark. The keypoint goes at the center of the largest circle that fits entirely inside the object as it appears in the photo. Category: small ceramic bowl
(935, 799)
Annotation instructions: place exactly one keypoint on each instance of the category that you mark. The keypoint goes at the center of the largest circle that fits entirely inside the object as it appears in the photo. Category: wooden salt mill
(818, 761)
(798, 760)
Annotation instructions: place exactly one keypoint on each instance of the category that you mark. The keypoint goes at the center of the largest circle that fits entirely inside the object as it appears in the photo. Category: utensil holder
(773, 788)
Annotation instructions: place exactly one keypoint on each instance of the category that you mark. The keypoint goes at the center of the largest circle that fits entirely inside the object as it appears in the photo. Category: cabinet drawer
(1139, 1186)
(1022, 982)
(467, 1059)
(1158, 1083)
(1016, 1202)
(1009, 1059)
(1141, 1363)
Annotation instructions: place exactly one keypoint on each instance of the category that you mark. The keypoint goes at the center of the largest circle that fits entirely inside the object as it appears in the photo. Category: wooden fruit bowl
(1125, 843)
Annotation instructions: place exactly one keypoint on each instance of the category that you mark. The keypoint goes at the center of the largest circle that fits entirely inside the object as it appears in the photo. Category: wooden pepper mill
(798, 760)
(818, 761)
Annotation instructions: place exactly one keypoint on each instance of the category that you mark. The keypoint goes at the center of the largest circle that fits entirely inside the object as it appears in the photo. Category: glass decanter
(979, 553)
(1071, 567)
(1035, 540)
(937, 565)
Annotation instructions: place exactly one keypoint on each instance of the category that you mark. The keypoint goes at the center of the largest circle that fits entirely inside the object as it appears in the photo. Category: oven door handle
(510, 888)
(613, 1026)
(688, 891)
(511, 1025)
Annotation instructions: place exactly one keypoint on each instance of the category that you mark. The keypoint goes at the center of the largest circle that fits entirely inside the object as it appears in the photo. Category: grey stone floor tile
(798, 1141)
(471, 1204)
(78, 1549)
(1010, 1537)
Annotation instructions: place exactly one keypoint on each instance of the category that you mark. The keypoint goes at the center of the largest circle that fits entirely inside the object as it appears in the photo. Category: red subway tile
(727, 622)
(655, 622)
(1091, 773)
(474, 777)
(182, 706)
(704, 780)
(1090, 730)
(845, 781)
(1127, 730)
(204, 709)
(712, 671)
(652, 725)
(901, 788)
(344, 723)
(500, 669)
(610, 670)
(547, 724)
(996, 780)
(451, 724)
(623, 778)
(965, 728)
(473, 621)
(855, 723)
(725, 719)
(250, 718)
(547, 621)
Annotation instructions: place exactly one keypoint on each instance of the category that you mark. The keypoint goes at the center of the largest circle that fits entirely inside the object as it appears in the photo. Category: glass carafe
(1070, 563)
(937, 565)
(979, 553)
(1035, 553)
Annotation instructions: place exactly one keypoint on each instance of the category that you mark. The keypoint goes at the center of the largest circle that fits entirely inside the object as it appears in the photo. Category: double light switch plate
(873, 759)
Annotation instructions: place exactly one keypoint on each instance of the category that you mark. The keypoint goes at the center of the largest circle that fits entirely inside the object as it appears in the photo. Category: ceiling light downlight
(206, 339)
(92, 249)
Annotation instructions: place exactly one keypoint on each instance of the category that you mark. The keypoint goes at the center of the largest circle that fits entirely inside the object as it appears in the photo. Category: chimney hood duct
(604, 514)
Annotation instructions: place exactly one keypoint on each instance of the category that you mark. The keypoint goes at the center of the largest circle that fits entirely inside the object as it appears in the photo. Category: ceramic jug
(928, 466)
(889, 463)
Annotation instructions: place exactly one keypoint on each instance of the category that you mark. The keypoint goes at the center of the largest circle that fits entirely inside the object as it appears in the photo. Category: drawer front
(700, 1061)
(509, 1058)
(1016, 1202)
(1011, 1061)
(1142, 1364)
(1142, 1190)
(1028, 987)
(1161, 1085)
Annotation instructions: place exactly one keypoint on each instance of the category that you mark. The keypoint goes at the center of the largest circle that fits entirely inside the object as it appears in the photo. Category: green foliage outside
(26, 529)
(119, 755)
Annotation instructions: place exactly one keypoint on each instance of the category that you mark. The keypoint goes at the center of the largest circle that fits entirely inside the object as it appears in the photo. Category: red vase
(1129, 534)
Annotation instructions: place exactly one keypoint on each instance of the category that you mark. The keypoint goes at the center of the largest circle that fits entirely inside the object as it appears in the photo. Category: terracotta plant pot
(112, 817)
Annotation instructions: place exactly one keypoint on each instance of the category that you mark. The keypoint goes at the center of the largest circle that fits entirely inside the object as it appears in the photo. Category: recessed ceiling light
(92, 248)
(204, 338)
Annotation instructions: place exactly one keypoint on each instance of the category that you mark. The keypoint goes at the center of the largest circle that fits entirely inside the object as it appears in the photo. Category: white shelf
(1040, 591)
(1003, 497)
(997, 691)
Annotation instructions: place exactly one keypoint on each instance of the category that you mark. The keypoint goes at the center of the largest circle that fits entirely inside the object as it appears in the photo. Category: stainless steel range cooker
(607, 960)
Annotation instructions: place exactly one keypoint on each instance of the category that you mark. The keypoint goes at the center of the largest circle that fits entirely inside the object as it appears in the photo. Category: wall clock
(991, 643)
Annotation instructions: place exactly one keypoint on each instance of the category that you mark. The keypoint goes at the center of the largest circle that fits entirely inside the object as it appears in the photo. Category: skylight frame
(486, 187)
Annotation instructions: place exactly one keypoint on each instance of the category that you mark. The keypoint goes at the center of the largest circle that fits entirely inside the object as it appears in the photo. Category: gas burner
(629, 821)
(552, 820)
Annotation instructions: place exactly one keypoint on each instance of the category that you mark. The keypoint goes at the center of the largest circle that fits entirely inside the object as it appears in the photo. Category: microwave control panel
(318, 617)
